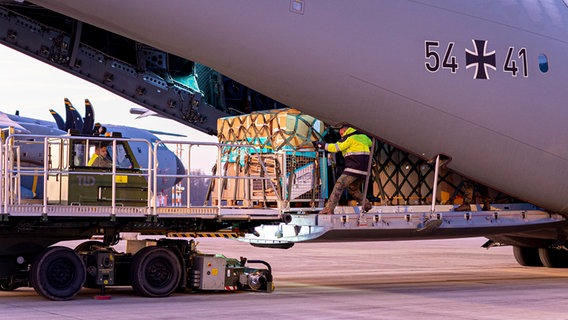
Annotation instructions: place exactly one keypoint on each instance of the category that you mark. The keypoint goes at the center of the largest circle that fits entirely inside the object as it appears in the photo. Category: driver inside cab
(100, 158)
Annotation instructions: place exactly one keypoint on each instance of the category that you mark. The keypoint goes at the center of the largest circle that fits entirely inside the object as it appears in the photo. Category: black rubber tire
(58, 273)
(156, 272)
(528, 257)
(553, 258)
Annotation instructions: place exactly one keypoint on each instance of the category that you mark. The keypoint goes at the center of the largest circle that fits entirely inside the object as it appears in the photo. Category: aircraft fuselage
(478, 81)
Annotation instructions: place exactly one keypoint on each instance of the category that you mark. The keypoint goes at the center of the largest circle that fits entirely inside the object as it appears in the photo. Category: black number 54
(433, 57)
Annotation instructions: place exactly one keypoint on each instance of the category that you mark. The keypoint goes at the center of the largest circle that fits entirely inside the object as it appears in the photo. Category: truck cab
(74, 180)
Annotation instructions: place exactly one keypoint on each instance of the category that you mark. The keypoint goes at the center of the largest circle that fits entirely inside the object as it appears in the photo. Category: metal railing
(218, 176)
(54, 161)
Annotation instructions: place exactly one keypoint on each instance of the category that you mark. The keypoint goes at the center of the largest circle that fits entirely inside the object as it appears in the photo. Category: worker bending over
(355, 148)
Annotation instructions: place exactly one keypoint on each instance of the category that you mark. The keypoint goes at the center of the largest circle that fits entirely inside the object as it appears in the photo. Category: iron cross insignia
(480, 59)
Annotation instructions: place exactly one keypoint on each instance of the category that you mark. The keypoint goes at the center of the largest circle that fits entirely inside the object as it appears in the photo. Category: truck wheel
(58, 273)
(527, 257)
(156, 272)
(553, 258)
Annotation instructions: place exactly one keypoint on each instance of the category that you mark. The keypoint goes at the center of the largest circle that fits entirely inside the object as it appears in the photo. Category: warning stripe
(231, 288)
(187, 234)
(225, 235)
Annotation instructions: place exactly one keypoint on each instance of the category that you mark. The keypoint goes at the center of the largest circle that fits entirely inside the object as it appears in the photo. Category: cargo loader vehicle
(81, 201)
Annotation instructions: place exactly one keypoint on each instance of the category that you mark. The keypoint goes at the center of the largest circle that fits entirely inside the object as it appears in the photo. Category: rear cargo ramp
(404, 223)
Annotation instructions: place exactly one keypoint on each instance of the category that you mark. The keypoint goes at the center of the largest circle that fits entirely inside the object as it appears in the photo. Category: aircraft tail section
(89, 120)
(58, 120)
(73, 119)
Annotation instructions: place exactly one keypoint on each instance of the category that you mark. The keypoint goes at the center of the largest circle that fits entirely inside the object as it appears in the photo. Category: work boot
(368, 206)
(463, 207)
(326, 210)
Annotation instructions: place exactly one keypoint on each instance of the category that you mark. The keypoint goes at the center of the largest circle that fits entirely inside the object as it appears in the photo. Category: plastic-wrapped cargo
(282, 138)
(280, 129)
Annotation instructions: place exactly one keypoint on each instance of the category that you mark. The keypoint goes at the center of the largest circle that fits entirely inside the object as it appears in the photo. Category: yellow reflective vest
(355, 148)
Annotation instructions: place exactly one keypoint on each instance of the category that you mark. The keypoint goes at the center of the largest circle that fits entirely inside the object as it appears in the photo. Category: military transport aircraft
(477, 81)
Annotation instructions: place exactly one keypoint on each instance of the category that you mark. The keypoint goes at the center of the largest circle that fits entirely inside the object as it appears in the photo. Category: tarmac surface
(434, 279)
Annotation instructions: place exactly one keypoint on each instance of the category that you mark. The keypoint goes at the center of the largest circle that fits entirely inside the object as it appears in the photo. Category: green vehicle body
(75, 183)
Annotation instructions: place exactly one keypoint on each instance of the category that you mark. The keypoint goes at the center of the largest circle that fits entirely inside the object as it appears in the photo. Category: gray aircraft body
(476, 81)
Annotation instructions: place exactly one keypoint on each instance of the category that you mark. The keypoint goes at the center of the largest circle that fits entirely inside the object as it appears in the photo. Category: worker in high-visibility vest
(355, 148)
